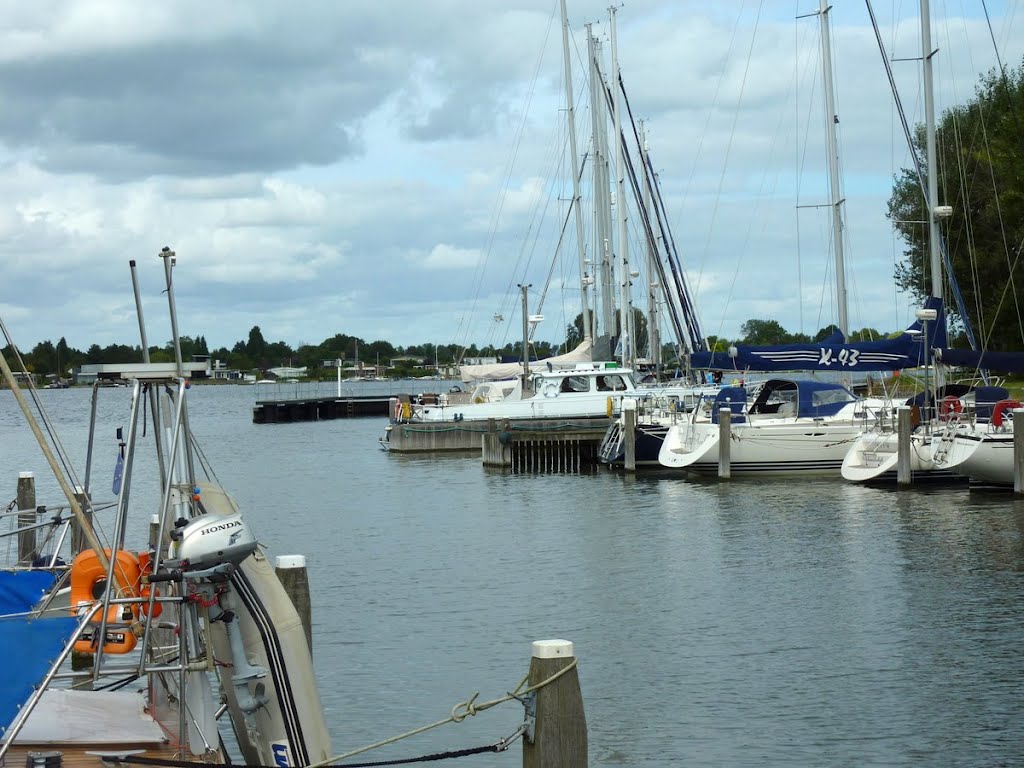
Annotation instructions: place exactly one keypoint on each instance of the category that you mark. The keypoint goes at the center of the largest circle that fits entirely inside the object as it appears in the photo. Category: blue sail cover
(30, 645)
(834, 353)
(1002, 362)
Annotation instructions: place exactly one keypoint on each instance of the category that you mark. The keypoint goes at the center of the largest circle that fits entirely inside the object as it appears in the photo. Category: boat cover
(581, 354)
(833, 354)
(20, 590)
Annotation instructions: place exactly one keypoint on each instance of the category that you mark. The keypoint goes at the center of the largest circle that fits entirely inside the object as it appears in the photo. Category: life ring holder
(550, 389)
(88, 582)
(950, 407)
(1001, 413)
(398, 410)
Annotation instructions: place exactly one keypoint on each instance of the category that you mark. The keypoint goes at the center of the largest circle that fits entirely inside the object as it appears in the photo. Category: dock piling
(903, 429)
(724, 446)
(291, 570)
(629, 438)
(1018, 450)
(559, 738)
(26, 517)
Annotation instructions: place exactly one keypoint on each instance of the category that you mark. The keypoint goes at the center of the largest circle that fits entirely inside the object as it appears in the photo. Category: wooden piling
(724, 445)
(1018, 450)
(560, 729)
(291, 570)
(27, 517)
(79, 540)
(903, 429)
(629, 438)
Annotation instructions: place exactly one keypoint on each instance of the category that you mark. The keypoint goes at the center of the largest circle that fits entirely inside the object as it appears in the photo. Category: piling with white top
(629, 434)
(26, 517)
(291, 571)
(724, 446)
(559, 737)
(903, 430)
(1018, 450)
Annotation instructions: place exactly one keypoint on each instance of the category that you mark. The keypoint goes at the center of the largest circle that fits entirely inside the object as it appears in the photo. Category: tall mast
(653, 332)
(620, 200)
(576, 197)
(602, 203)
(931, 161)
(832, 148)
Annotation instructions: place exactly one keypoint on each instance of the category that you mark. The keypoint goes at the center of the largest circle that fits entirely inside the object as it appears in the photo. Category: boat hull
(785, 448)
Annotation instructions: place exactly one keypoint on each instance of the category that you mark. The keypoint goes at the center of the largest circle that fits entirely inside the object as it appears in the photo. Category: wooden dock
(544, 447)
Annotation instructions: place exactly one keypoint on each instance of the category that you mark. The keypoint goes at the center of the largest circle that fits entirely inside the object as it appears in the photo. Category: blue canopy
(908, 350)
(809, 398)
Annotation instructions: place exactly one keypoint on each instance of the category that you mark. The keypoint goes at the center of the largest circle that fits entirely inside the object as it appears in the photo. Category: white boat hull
(783, 448)
(984, 457)
(874, 457)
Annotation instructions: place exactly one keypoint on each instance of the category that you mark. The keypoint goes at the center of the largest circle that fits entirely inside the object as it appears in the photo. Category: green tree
(981, 167)
(761, 332)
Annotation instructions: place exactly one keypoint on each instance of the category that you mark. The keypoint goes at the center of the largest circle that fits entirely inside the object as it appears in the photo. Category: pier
(319, 408)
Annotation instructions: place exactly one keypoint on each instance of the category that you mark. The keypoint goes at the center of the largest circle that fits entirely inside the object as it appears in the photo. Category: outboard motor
(208, 542)
(204, 552)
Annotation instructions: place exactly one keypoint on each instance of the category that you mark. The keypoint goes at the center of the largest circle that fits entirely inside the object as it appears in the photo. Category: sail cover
(30, 644)
(908, 350)
(497, 371)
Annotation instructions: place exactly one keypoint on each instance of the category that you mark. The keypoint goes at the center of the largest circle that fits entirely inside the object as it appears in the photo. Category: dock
(509, 443)
(285, 411)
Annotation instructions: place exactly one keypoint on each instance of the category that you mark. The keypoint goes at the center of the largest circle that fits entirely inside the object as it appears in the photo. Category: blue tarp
(20, 590)
(30, 645)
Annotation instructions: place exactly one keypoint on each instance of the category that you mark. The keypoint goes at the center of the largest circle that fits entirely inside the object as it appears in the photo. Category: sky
(394, 170)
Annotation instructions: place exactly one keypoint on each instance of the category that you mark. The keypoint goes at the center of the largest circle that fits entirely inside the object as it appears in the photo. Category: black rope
(157, 761)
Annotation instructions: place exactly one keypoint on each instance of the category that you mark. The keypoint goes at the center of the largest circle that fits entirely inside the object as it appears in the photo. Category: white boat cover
(581, 354)
(91, 717)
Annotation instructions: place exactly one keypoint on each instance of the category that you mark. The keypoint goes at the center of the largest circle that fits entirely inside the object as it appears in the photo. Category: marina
(766, 622)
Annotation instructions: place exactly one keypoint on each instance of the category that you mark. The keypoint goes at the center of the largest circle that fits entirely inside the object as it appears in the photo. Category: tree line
(256, 354)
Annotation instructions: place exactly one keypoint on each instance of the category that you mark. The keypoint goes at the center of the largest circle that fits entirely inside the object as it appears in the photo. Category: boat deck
(92, 755)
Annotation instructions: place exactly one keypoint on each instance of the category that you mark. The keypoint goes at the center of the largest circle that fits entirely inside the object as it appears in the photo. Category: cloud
(448, 257)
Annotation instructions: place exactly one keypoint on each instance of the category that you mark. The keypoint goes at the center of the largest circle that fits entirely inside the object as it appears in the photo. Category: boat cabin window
(828, 396)
(576, 384)
(610, 383)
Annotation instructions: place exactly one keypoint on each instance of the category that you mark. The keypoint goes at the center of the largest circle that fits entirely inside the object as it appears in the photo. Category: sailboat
(966, 432)
(150, 624)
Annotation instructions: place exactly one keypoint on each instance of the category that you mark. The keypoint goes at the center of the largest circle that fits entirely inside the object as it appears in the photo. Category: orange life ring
(950, 406)
(88, 582)
(146, 566)
(1000, 413)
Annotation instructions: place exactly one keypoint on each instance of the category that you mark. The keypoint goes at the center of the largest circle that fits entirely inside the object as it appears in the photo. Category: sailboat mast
(602, 205)
(935, 256)
(576, 196)
(653, 332)
(620, 198)
(832, 148)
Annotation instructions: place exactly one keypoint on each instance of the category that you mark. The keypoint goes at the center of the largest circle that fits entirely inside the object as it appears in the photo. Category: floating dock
(501, 440)
(319, 408)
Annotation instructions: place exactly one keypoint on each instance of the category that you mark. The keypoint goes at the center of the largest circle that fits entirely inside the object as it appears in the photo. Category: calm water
(811, 623)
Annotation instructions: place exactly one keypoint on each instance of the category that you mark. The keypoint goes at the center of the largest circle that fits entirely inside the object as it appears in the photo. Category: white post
(338, 361)
(903, 430)
(1018, 450)
(724, 437)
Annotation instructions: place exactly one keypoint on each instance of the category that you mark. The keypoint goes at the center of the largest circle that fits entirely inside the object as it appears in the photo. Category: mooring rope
(459, 712)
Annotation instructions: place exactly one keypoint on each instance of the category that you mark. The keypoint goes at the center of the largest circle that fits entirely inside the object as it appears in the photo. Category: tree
(762, 332)
(981, 164)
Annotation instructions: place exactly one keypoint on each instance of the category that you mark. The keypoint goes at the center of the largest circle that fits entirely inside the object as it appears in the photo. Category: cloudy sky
(392, 170)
